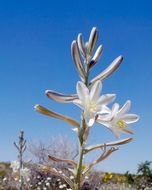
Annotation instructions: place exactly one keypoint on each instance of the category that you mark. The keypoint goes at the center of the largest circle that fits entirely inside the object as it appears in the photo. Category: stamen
(121, 124)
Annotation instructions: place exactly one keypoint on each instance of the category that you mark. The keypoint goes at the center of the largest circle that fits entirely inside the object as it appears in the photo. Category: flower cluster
(95, 109)
(18, 172)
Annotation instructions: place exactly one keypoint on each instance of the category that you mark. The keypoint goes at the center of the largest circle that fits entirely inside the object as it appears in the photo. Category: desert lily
(91, 102)
(118, 119)
(94, 108)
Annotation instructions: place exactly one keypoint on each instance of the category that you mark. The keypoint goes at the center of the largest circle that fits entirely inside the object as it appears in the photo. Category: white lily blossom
(118, 119)
(91, 102)
(15, 165)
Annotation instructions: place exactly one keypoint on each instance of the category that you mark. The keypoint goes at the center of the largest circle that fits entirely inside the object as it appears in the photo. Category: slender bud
(109, 70)
(81, 45)
(96, 56)
(50, 113)
(77, 60)
(92, 40)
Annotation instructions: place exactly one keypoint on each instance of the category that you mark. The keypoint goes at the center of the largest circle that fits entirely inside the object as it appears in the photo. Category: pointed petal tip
(120, 57)
(94, 28)
(138, 117)
(113, 95)
(98, 83)
(130, 139)
(46, 92)
(80, 34)
(80, 82)
(36, 106)
(128, 102)
(73, 42)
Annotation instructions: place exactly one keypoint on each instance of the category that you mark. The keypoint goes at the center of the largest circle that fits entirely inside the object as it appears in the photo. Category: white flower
(16, 178)
(91, 101)
(48, 184)
(118, 119)
(25, 173)
(15, 165)
(86, 177)
(4, 179)
(61, 186)
(71, 177)
(48, 178)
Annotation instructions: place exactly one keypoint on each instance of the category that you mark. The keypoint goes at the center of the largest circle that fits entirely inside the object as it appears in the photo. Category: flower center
(91, 106)
(121, 124)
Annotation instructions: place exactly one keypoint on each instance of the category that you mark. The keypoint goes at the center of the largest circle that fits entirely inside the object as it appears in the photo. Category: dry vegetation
(62, 146)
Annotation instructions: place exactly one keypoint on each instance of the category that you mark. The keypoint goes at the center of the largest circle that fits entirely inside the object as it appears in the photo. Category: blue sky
(35, 40)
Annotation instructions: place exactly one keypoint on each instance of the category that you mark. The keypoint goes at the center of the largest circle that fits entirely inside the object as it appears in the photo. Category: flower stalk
(81, 138)
(21, 147)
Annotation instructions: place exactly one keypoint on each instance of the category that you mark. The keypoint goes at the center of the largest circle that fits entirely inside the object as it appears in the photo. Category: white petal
(89, 118)
(103, 109)
(91, 122)
(127, 130)
(105, 99)
(95, 91)
(108, 125)
(115, 131)
(103, 119)
(130, 118)
(125, 108)
(111, 113)
(82, 91)
(114, 110)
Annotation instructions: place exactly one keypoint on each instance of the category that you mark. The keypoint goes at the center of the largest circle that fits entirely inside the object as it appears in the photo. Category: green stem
(81, 152)
(87, 76)
(79, 169)
(81, 142)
